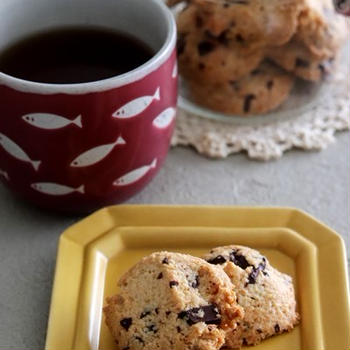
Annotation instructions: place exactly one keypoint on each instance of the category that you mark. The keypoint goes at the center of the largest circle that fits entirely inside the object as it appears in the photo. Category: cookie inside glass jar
(222, 43)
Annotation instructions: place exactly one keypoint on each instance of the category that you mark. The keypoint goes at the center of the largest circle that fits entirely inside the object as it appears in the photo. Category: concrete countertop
(315, 182)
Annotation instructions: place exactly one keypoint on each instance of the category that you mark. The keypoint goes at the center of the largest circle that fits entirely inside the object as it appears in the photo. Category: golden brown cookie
(321, 28)
(265, 294)
(261, 91)
(206, 58)
(172, 301)
(249, 24)
(295, 57)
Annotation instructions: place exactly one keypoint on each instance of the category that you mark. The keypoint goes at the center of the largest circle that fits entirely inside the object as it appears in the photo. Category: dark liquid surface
(74, 55)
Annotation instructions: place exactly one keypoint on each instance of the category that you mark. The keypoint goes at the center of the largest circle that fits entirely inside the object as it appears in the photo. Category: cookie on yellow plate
(265, 294)
(172, 301)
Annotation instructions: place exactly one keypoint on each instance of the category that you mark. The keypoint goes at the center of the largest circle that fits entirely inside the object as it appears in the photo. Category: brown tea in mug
(74, 55)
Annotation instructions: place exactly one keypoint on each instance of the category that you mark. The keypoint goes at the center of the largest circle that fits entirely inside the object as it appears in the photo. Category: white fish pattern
(174, 73)
(4, 174)
(95, 155)
(137, 106)
(15, 151)
(50, 121)
(55, 189)
(165, 118)
(135, 175)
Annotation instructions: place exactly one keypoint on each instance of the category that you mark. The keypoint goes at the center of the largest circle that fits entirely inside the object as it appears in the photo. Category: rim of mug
(105, 84)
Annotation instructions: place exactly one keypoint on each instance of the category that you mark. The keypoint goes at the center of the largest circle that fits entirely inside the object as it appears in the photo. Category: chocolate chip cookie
(265, 294)
(265, 88)
(295, 57)
(207, 58)
(249, 24)
(172, 301)
(321, 28)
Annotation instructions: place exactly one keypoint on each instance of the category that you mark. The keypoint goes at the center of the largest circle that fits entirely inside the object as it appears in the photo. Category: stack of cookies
(242, 56)
(229, 298)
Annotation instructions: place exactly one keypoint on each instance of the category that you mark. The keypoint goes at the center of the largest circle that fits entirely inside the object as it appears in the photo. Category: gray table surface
(315, 182)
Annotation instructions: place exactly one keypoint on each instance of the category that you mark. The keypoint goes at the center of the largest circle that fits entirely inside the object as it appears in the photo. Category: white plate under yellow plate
(95, 252)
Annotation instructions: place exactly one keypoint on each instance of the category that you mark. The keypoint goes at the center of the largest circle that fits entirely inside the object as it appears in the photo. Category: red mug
(78, 147)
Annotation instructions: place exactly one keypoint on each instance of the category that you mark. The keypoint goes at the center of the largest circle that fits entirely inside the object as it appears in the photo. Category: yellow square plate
(95, 252)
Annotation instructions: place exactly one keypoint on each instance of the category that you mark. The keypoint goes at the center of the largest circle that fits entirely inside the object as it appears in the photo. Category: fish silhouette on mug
(50, 121)
(55, 189)
(164, 119)
(135, 175)
(17, 152)
(96, 154)
(136, 106)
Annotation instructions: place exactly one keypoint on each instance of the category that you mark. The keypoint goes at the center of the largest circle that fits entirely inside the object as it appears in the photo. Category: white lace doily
(268, 137)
